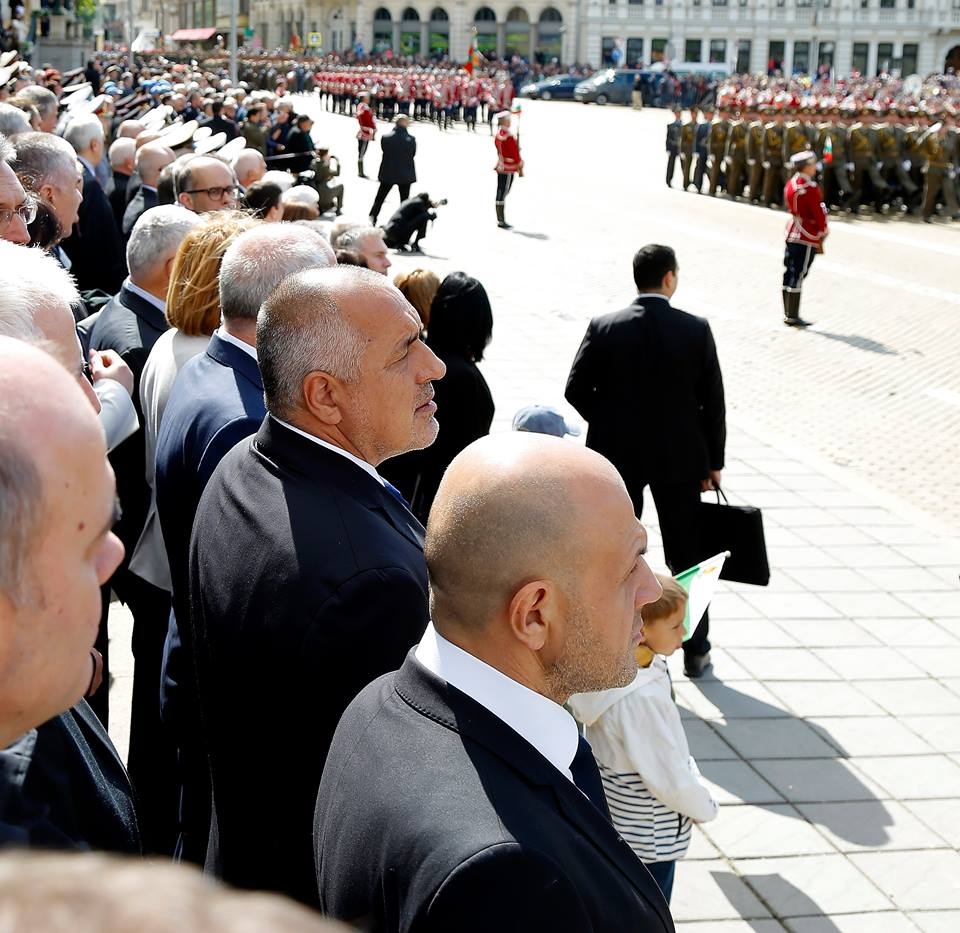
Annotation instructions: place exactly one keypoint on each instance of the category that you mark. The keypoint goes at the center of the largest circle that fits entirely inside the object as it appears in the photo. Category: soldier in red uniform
(509, 164)
(806, 232)
(367, 131)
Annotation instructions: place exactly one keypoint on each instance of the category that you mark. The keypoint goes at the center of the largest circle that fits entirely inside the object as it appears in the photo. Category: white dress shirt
(337, 450)
(237, 342)
(158, 303)
(546, 725)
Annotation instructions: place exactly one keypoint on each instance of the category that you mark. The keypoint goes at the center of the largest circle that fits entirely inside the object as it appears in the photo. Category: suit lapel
(226, 354)
(433, 697)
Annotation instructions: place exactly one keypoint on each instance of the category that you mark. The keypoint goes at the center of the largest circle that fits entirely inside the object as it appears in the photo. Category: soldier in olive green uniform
(688, 137)
(890, 150)
(736, 155)
(795, 139)
(912, 127)
(862, 147)
(755, 133)
(938, 148)
(717, 147)
(773, 161)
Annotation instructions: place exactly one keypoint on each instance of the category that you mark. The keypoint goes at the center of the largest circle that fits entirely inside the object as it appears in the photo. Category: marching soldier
(509, 164)
(736, 155)
(717, 133)
(862, 143)
(939, 152)
(806, 231)
(673, 145)
(688, 138)
(890, 150)
(773, 160)
(700, 144)
(755, 133)
(795, 139)
(367, 131)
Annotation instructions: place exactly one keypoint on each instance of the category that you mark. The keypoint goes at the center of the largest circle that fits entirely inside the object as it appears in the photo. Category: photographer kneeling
(411, 217)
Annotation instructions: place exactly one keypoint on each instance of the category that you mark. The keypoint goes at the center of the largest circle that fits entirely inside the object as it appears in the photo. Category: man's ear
(185, 200)
(532, 613)
(321, 396)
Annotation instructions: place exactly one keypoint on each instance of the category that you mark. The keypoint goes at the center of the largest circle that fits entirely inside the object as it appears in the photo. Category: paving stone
(913, 777)
(716, 700)
(872, 735)
(937, 662)
(812, 885)
(912, 697)
(701, 847)
(909, 632)
(870, 825)
(937, 921)
(914, 880)
(711, 891)
(876, 555)
(733, 782)
(818, 780)
(705, 743)
(755, 633)
(731, 926)
(759, 832)
(732, 606)
(862, 517)
(832, 579)
(783, 664)
(778, 606)
(943, 604)
(887, 922)
(866, 663)
(930, 555)
(824, 698)
(775, 738)
(807, 556)
(942, 816)
(869, 605)
(941, 733)
(828, 633)
(904, 580)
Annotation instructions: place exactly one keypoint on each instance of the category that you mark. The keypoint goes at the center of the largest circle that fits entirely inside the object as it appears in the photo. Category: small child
(651, 781)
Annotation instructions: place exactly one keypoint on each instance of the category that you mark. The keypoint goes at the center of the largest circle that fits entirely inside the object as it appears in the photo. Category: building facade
(864, 36)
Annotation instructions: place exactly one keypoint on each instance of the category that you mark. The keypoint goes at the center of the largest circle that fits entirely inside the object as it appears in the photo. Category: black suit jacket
(307, 581)
(397, 165)
(117, 196)
(299, 141)
(434, 815)
(62, 786)
(221, 125)
(95, 246)
(648, 381)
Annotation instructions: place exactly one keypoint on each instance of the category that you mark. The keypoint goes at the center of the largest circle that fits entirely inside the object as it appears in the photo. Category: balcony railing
(785, 15)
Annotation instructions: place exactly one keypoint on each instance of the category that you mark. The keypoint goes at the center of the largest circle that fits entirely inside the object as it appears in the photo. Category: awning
(194, 35)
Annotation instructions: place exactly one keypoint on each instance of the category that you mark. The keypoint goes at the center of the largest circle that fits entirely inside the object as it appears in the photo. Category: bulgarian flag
(700, 582)
(474, 58)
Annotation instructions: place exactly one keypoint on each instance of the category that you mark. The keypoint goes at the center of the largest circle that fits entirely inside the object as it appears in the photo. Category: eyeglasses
(27, 212)
(217, 192)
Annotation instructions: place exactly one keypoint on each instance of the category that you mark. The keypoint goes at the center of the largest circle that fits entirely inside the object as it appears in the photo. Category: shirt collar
(546, 725)
(337, 450)
(643, 295)
(145, 295)
(237, 342)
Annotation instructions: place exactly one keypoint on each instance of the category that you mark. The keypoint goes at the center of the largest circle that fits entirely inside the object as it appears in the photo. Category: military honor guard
(509, 164)
(367, 131)
(806, 232)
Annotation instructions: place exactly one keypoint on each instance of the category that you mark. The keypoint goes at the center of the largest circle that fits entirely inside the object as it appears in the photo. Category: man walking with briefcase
(648, 381)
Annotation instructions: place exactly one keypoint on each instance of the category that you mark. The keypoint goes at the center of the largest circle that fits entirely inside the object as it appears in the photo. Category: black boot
(501, 222)
(791, 309)
(360, 168)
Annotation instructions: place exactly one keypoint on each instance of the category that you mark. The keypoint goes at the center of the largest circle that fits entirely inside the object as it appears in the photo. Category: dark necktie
(395, 492)
(586, 775)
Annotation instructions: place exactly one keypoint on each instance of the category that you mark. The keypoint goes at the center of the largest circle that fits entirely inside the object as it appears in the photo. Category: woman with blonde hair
(418, 287)
(193, 312)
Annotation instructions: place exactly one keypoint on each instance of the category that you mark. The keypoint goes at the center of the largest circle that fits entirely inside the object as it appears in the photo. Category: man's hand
(711, 482)
(106, 364)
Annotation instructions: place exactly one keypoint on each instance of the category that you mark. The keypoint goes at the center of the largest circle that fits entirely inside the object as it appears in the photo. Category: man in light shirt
(457, 794)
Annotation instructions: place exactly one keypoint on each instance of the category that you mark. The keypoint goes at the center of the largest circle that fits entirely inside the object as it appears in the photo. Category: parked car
(610, 86)
(558, 87)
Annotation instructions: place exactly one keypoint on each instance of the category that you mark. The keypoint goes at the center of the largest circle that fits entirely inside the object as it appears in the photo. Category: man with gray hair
(13, 120)
(307, 576)
(122, 156)
(216, 401)
(46, 103)
(368, 242)
(95, 247)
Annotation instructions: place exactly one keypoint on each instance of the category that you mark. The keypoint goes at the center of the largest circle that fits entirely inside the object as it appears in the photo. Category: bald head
(121, 153)
(130, 129)
(535, 562)
(151, 160)
(249, 166)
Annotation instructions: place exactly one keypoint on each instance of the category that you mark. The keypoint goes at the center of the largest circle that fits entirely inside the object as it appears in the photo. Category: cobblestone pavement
(829, 727)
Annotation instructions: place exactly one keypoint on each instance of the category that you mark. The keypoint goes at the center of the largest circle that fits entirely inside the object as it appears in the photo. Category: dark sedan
(559, 87)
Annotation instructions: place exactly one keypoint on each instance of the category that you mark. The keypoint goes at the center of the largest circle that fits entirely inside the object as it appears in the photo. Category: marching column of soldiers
(902, 160)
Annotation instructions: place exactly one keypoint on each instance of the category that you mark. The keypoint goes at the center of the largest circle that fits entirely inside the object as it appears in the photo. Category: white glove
(849, 166)
(907, 164)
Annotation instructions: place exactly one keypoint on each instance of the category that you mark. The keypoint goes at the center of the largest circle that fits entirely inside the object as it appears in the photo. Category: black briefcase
(739, 530)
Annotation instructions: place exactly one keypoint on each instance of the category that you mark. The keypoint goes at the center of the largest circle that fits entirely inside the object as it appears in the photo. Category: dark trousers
(381, 196)
(663, 873)
(797, 259)
(671, 167)
(504, 184)
(151, 761)
(678, 508)
(362, 145)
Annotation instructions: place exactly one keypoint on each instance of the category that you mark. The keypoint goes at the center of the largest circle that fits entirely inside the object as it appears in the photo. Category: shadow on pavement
(858, 342)
(778, 894)
(530, 235)
(870, 827)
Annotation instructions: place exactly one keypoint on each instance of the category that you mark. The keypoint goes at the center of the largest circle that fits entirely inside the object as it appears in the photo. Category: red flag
(469, 65)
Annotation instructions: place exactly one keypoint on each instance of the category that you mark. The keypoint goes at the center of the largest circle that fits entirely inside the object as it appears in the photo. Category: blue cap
(540, 419)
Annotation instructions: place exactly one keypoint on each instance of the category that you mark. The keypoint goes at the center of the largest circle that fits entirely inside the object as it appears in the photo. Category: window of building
(888, 4)
(775, 54)
(658, 49)
(910, 52)
(864, 4)
(718, 50)
(485, 15)
(804, 2)
(743, 2)
(911, 4)
(693, 50)
(634, 52)
(884, 57)
(861, 51)
(635, 2)
(607, 45)
(697, 2)
(801, 57)
(719, 2)
(743, 56)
